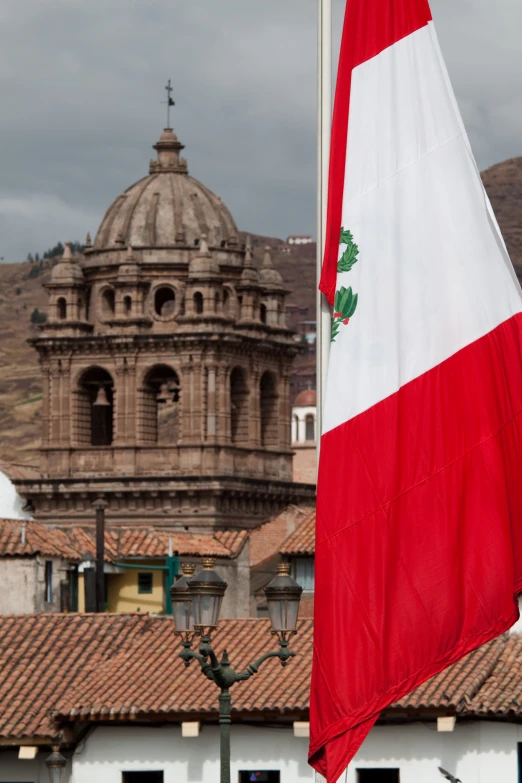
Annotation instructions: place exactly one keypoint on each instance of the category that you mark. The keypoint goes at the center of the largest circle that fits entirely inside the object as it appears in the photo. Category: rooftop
(302, 540)
(60, 669)
(18, 538)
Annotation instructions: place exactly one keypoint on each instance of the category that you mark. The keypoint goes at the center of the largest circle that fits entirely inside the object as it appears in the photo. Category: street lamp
(196, 602)
(55, 764)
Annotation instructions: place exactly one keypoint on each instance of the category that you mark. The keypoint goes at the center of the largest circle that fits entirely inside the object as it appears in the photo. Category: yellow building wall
(123, 596)
(81, 593)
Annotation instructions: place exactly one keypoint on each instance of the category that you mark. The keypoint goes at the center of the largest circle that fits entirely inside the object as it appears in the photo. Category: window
(62, 309)
(268, 410)
(143, 777)
(262, 313)
(127, 305)
(164, 301)
(145, 583)
(94, 411)
(160, 409)
(49, 581)
(377, 776)
(304, 573)
(309, 427)
(108, 303)
(198, 303)
(260, 776)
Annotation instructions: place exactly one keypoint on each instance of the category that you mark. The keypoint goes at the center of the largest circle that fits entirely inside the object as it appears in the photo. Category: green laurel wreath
(345, 302)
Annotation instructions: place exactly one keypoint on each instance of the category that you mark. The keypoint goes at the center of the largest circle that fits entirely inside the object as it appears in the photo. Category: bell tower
(166, 361)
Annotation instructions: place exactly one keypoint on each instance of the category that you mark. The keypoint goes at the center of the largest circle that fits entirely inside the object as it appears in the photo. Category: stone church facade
(166, 362)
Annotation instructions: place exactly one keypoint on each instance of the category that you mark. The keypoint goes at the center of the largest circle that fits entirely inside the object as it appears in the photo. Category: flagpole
(324, 120)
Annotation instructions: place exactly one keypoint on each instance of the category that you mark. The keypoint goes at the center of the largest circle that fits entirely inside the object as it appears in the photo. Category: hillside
(20, 390)
(503, 183)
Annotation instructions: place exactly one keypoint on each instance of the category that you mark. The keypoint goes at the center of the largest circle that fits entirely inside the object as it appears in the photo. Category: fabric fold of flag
(419, 501)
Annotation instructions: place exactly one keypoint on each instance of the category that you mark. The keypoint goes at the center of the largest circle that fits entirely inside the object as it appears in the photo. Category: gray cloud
(81, 84)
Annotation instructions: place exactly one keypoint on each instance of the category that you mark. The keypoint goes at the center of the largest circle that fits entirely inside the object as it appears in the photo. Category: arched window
(108, 303)
(160, 406)
(309, 427)
(238, 406)
(262, 313)
(226, 301)
(268, 409)
(95, 412)
(164, 301)
(61, 306)
(198, 303)
(127, 305)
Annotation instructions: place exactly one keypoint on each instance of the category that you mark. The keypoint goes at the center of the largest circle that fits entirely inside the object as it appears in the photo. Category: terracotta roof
(233, 540)
(73, 542)
(93, 667)
(266, 540)
(120, 667)
(302, 540)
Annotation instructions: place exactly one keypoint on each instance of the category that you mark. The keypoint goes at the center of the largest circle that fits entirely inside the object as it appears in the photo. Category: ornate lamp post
(196, 603)
(55, 764)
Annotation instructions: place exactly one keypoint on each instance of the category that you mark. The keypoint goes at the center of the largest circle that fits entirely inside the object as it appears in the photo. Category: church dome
(306, 399)
(168, 208)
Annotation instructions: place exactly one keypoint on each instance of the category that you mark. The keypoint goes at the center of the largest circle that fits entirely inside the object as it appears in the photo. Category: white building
(299, 239)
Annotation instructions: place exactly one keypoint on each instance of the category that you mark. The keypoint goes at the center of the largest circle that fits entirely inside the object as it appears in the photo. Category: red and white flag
(419, 507)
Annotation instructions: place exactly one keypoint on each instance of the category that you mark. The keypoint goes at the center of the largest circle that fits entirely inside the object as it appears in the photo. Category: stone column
(65, 393)
(223, 407)
(211, 404)
(46, 391)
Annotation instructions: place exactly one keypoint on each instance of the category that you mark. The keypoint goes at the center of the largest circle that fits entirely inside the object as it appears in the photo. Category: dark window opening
(377, 776)
(127, 305)
(268, 405)
(145, 583)
(108, 302)
(262, 313)
(226, 301)
(239, 417)
(260, 776)
(196, 242)
(198, 303)
(49, 581)
(164, 301)
(143, 777)
(94, 421)
(160, 406)
(309, 427)
(62, 309)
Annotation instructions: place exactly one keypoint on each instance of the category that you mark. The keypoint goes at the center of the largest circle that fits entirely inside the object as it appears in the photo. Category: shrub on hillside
(37, 317)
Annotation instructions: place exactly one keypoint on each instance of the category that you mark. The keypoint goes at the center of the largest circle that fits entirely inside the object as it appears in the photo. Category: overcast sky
(81, 83)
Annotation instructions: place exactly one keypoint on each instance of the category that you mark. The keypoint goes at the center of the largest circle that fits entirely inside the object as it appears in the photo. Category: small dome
(203, 265)
(268, 276)
(67, 270)
(306, 399)
(129, 270)
(166, 209)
